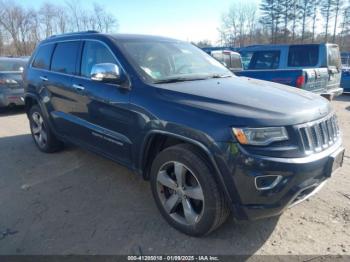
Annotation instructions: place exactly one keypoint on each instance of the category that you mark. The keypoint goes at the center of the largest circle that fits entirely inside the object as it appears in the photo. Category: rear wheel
(41, 133)
(186, 192)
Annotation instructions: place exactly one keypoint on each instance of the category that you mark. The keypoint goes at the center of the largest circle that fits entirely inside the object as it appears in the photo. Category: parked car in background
(232, 60)
(11, 84)
(208, 141)
(312, 67)
(345, 77)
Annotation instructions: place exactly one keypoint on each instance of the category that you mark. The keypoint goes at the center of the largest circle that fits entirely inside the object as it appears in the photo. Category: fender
(146, 144)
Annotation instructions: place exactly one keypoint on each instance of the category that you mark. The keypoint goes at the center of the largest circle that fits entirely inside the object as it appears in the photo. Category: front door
(102, 109)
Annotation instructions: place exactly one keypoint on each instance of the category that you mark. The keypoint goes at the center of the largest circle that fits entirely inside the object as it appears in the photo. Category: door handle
(79, 87)
(44, 78)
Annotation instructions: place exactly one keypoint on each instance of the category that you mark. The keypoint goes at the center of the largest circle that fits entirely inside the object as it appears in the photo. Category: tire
(42, 135)
(206, 209)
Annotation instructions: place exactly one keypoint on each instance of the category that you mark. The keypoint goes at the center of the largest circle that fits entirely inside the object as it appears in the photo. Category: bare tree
(237, 24)
(48, 15)
(62, 20)
(75, 14)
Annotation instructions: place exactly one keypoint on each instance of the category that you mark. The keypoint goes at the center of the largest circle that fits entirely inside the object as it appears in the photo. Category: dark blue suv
(209, 142)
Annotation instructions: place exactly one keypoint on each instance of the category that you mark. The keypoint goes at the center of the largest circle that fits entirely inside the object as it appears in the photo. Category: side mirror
(106, 72)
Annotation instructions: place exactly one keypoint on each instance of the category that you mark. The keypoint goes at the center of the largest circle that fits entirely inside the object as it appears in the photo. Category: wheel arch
(29, 101)
(158, 140)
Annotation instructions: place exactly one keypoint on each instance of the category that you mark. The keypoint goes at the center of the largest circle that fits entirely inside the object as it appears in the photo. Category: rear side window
(43, 56)
(265, 60)
(94, 53)
(303, 56)
(334, 56)
(236, 61)
(65, 57)
(223, 57)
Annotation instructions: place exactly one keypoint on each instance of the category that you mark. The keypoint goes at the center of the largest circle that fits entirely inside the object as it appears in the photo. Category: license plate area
(335, 162)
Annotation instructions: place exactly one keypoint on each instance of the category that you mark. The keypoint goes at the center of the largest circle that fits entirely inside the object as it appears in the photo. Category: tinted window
(303, 56)
(94, 53)
(43, 56)
(64, 57)
(265, 60)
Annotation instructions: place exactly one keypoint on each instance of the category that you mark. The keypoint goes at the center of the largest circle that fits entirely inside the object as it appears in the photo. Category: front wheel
(186, 192)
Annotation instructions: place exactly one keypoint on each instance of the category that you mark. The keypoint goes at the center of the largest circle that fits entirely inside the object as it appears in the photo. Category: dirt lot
(75, 202)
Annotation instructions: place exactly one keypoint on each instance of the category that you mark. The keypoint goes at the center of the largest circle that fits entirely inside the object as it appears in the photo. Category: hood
(250, 101)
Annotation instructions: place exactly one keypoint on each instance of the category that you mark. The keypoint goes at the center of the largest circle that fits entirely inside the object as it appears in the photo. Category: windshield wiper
(183, 79)
(177, 79)
(219, 76)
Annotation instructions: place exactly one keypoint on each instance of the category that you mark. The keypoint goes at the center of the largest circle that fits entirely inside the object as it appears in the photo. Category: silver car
(11, 88)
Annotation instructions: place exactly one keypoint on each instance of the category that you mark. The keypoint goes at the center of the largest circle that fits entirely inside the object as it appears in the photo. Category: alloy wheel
(39, 130)
(180, 193)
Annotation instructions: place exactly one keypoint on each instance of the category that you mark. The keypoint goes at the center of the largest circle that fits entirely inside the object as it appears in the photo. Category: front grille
(319, 135)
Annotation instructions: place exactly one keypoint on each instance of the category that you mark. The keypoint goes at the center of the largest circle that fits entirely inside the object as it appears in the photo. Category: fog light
(267, 182)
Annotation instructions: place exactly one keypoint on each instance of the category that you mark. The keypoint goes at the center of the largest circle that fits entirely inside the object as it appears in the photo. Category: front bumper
(332, 93)
(301, 177)
(11, 97)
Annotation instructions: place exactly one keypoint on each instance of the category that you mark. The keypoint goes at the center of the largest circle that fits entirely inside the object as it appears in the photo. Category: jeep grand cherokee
(210, 143)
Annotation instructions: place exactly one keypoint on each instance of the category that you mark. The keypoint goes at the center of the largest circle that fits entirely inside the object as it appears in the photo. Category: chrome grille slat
(318, 135)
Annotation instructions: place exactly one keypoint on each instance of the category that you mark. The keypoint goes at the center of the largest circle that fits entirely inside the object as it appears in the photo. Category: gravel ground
(75, 202)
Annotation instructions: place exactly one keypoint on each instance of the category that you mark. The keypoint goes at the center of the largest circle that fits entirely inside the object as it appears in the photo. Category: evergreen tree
(326, 11)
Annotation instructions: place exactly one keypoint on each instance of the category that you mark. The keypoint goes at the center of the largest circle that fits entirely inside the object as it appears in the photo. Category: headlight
(260, 136)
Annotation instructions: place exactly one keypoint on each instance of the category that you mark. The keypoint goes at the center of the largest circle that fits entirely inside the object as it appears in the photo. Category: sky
(189, 20)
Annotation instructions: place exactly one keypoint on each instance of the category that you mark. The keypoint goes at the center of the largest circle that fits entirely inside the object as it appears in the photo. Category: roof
(279, 46)
(77, 35)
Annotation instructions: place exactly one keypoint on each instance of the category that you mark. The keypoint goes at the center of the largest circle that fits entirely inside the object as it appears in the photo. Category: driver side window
(94, 53)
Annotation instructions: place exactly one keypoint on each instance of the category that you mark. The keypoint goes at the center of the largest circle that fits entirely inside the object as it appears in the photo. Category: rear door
(60, 96)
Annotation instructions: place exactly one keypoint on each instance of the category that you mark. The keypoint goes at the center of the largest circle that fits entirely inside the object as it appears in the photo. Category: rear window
(8, 65)
(43, 56)
(333, 56)
(303, 56)
(265, 60)
(64, 57)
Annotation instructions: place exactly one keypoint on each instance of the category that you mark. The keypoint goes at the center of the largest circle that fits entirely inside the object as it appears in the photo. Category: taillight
(300, 81)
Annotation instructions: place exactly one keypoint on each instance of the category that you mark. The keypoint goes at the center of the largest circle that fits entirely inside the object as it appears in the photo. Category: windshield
(160, 61)
(11, 65)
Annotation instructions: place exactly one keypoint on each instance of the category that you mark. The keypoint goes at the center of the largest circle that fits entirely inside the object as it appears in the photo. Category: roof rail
(77, 33)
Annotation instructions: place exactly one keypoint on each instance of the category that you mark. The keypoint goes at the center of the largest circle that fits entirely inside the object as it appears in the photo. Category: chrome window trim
(81, 40)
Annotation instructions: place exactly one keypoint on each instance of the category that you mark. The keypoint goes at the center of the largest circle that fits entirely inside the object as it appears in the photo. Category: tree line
(286, 21)
(22, 28)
